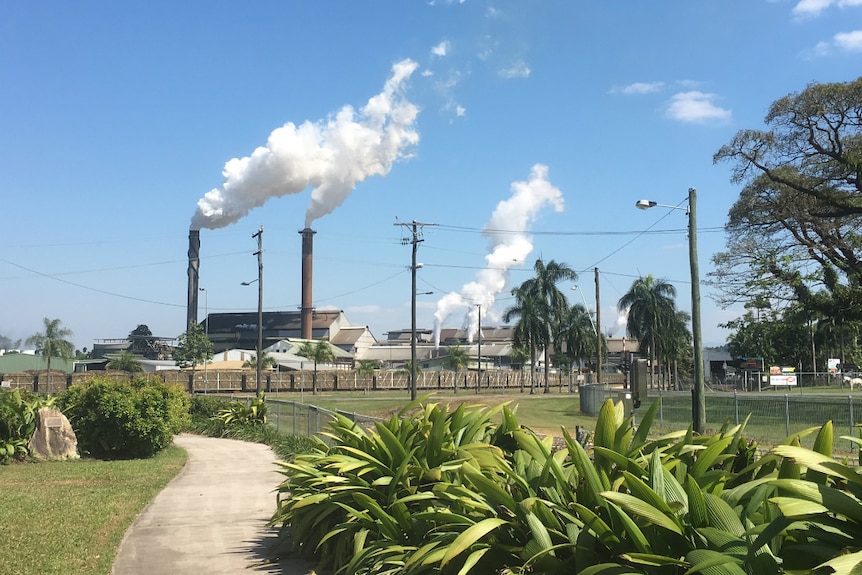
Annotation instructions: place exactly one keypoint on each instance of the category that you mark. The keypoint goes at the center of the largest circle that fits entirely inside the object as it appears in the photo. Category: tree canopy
(193, 347)
(52, 341)
(318, 352)
(793, 233)
(793, 244)
(127, 362)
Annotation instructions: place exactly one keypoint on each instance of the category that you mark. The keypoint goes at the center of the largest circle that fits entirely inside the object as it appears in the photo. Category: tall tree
(8, 344)
(456, 358)
(553, 303)
(52, 342)
(650, 313)
(529, 330)
(576, 333)
(800, 204)
(318, 352)
(193, 348)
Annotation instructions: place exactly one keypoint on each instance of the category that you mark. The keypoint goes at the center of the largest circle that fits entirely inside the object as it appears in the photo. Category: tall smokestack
(307, 258)
(194, 266)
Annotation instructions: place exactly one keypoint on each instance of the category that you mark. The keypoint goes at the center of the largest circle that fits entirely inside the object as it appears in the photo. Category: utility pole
(479, 351)
(259, 254)
(598, 330)
(699, 401)
(415, 226)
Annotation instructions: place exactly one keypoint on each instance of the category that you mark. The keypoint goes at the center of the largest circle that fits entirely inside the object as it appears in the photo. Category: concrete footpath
(212, 518)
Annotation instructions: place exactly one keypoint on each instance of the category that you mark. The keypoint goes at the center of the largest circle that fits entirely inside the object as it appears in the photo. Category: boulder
(54, 437)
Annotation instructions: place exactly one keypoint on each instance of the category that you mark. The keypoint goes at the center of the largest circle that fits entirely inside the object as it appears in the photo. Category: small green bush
(119, 419)
(207, 405)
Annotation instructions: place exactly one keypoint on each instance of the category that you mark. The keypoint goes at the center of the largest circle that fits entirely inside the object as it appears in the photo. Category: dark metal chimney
(194, 266)
(307, 310)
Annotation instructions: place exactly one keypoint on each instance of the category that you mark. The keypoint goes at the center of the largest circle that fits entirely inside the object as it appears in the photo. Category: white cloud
(441, 49)
(639, 88)
(426, 73)
(460, 110)
(843, 41)
(696, 107)
(813, 8)
(849, 41)
(518, 69)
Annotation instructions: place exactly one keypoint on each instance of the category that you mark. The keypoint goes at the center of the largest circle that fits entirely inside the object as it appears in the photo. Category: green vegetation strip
(69, 517)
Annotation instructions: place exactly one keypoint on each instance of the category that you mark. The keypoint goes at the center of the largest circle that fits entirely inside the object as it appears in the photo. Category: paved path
(211, 518)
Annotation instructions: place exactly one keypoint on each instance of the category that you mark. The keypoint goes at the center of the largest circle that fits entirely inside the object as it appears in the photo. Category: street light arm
(647, 204)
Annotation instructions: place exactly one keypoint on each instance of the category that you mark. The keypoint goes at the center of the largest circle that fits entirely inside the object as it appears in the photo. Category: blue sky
(540, 122)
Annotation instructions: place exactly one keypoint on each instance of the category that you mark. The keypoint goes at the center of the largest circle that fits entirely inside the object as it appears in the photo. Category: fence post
(852, 423)
(191, 383)
(242, 383)
(68, 381)
(294, 418)
(787, 415)
(268, 383)
(334, 382)
(735, 408)
(35, 383)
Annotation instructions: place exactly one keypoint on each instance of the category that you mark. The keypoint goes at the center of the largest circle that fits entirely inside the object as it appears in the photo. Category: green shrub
(119, 419)
(207, 405)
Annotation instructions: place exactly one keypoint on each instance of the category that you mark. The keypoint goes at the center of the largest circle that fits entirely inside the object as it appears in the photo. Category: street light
(698, 403)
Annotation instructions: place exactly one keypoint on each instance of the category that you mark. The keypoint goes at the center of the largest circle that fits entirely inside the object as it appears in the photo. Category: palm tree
(554, 304)
(318, 352)
(651, 312)
(52, 342)
(127, 362)
(266, 361)
(576, 331)
(367, 366)
(456, 358)
(529, 330)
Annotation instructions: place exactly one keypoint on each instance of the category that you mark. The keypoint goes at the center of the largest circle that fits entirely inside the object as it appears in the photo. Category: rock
(54, 437)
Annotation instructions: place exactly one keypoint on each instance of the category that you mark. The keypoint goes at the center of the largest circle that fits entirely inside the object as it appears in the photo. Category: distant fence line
(772, 417)
(241, 381)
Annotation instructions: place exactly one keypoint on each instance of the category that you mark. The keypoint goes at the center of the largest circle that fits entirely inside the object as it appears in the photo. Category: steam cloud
(509, 246)
(331, 156)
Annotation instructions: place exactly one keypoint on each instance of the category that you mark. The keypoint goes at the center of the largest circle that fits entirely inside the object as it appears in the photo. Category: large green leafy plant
(18, 422)
(450, 491)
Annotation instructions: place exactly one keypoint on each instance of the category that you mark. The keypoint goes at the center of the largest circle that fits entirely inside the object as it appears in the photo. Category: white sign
(832, 364)
(785, 379)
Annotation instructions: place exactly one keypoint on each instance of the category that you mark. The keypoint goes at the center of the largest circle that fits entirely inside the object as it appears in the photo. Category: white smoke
(330, 156)
(509, 246)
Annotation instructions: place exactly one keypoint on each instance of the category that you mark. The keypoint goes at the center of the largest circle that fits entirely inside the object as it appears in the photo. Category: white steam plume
(330, 156)
(509, 246)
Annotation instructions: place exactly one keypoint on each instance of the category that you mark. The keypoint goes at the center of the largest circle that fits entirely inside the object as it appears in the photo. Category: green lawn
(544, 413)
(69, 517)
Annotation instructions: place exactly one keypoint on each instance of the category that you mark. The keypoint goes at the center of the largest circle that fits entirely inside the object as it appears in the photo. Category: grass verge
(68, 517)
